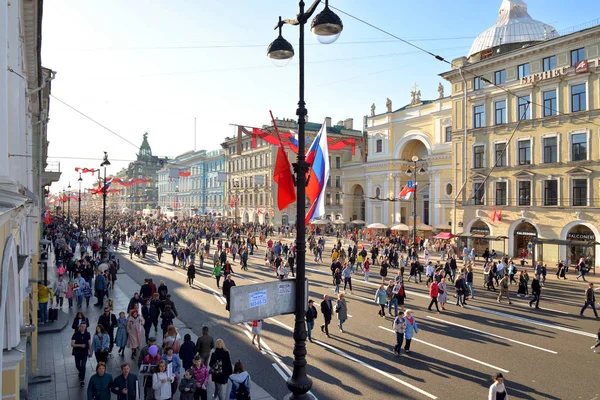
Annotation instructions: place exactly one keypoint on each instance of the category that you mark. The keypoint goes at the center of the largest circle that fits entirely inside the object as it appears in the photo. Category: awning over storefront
(476, 236)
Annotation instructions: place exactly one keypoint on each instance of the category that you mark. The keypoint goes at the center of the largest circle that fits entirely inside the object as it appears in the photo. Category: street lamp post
(327, 27)
(415, 160)
(79, 205)
(103, 252)
(63, 202)
(69, 202)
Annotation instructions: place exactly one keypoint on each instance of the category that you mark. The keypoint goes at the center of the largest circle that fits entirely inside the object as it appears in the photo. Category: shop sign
(581, 67)
(545, 75)
(480, 230)
(524, 233)
(581, 236)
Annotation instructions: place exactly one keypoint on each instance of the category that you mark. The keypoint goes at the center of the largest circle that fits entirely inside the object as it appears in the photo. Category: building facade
(24, 110)
(213, 191)
(250, 192)
(526, 137)
(420, 129)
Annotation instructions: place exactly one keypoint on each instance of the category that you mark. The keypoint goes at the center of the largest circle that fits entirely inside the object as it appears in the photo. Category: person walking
(126, 385)
(227, 285)
(590, 300)
(100, 344)
(81, 342)
(337, 280)
(459, 285)
(497, 389)
(434, 293)
(135, 329)
(366, 269)
(504, 284)
(44, 297)
(191, 274)
(347, 274)
(161, 382)
(380, 299)
(582, 268)
(256, 329)
(411, 329)
(187, 352)
(469, 282)
(204, 345)
(121, 336)
(238, 384)
(174, 361)
(60, 289)
(536, 291)
(100, 286)
(109, 321)
(220, 369)
(149, 312)
(187, 386)
(399, 326)
(311, 316)
(327, 311)
(216, 272)
(201, 375)
(341, 309)
(100, 383)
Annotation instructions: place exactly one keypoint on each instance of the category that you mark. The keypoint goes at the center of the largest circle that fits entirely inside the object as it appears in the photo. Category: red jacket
(433, 289)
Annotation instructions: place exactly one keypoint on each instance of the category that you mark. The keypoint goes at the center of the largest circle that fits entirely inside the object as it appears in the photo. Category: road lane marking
(532, 321)
(349, 357)
(219, 299)
(364, 364)
(492, 334)
(280, 372)
(451, 352)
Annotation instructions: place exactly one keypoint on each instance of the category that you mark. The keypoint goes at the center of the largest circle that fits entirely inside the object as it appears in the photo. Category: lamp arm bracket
(300, 18)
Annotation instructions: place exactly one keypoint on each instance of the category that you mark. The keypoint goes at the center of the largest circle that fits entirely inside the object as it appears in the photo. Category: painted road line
(364, 364)
(349, 357)
(532, 321)
(452, 352)
(280, 372)
(492, 334)
(218, 298)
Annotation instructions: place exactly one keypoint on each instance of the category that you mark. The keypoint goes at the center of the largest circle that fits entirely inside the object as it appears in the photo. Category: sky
(155, 66)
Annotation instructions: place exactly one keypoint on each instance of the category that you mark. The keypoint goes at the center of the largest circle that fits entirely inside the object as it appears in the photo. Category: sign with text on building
(581, 236)
(263, 300)
(580, 67)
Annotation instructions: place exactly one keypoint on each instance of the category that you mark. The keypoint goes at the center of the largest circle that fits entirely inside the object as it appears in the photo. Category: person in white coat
(498, 390)
(161, 382)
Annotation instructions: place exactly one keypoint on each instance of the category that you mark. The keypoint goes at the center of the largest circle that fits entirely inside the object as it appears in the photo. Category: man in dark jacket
(536, 291)
(146, 290)
(204, 345)
(590, 300)
(100, 286)
(227, 285)
(109, 321)
(327, 311)
(311, 315)
(169, 302)
(187, 352)
(149, 313)
(126, 385)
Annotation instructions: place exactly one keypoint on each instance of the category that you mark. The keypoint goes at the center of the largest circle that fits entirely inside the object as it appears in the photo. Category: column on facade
(395, 216)
(435, 197)
(384, 195)
(368, 195)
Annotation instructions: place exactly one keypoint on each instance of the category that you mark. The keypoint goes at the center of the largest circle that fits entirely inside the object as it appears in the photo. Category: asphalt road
(543, 354)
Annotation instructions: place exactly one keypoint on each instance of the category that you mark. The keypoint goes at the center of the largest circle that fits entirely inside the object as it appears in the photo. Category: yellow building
(526, 137)
(421, 129)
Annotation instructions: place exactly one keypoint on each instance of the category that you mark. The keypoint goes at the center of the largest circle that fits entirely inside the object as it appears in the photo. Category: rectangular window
(578, 98)
(500, 112)
(577, 55)
(551, 192)
(579, 147)
(329, 181)
(500, 77)
(549, 103)
(524, 107)
(378, 146)
(338, 181)
(477, 84)
(500, 155)
(549, 63)
(524, 152)
(478, 116)
(500, 193)
(337, 199)
(448, 134)
(478, 193)
(579, 192)
(550, 150)
(523, 71)
(524, 193)
(338, 162)
(478, 156)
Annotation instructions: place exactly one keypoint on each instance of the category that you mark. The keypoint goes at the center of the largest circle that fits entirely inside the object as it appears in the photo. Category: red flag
(282, 174)
(184, 174)
(47, 217)
(499, 215)
(494, 216)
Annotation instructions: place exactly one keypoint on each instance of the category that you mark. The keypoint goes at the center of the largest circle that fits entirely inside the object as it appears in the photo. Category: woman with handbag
(442, 295)
(101, 344)
(220, 368)
(341, 308)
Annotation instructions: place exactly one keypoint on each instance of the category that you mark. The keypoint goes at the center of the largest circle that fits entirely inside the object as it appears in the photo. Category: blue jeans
(79, 300)
(341, 322)
(589, 304)
(43, 317)
(393, 302)
(470, 285)
(310, 326)
(337, 288)
(399, 340)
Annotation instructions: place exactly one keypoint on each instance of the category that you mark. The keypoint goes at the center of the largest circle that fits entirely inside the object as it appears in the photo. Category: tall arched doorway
(522, 236)
(358, 203)
(479, 229)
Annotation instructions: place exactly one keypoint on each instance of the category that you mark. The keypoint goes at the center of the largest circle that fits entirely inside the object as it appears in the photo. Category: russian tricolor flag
(318, 159)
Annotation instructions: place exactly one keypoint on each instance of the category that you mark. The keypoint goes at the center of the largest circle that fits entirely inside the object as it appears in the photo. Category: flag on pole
(74, 196)
(47, 217)
(494, 216)
(407, 191)
(317, 158)
(282, 174)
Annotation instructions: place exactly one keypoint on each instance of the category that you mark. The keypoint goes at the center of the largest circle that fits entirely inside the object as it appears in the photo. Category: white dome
(514, 25)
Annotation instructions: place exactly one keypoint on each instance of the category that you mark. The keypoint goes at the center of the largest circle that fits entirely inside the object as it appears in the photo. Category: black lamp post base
(299, 389)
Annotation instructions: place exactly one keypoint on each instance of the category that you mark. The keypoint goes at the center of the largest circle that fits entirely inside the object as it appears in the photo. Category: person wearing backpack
(238, 384)
(220, 369)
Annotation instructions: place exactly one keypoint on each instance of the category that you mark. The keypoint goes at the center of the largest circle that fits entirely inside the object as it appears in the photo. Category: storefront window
(479, 228)
(580, 233)
(523, 234)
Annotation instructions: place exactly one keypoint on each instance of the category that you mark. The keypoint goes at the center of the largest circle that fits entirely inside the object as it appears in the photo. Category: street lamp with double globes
(326, 27)
(103, 252)
(69, 202)
(79, 205)
(414, 172)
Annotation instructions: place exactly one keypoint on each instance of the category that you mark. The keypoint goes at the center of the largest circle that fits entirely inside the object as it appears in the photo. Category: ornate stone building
(526, 137)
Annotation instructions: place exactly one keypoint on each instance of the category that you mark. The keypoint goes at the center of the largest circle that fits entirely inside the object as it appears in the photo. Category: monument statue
(388, 105)
(415, 95)
(373, 110)
(440, 91)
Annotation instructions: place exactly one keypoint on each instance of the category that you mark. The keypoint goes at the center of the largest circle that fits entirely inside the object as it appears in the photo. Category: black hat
(311, 301)
(152, 339)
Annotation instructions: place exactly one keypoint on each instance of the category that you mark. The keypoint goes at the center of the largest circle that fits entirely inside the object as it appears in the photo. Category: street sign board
(263, 300)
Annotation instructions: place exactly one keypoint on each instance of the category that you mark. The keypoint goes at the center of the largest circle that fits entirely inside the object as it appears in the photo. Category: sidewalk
(56, 361)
